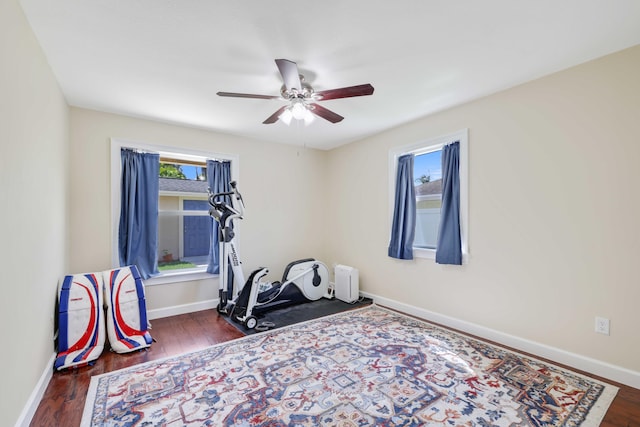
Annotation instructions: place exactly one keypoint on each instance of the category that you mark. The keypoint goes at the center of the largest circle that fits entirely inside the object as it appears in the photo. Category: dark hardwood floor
(63, 401)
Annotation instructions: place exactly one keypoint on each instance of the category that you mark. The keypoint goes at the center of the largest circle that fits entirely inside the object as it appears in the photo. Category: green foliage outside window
(168, 170)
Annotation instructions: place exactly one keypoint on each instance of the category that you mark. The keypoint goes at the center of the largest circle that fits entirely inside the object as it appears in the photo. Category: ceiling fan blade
(247, 95)
(274, 117)
(345, 92)
(290, 75)
(326, 114)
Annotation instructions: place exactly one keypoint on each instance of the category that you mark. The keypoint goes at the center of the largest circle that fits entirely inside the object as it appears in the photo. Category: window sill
(431, 254)
(179, 276)
(424, 253)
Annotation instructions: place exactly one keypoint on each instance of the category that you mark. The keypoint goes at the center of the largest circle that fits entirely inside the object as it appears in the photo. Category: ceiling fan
(302, 98)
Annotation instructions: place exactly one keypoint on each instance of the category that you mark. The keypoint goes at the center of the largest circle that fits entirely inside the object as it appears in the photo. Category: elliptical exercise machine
(302, 281)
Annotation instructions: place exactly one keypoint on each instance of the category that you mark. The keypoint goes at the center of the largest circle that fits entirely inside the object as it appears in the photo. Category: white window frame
(173, 152)
(427, 146)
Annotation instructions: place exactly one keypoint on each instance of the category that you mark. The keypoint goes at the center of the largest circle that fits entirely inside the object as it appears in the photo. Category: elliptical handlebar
(220, 208)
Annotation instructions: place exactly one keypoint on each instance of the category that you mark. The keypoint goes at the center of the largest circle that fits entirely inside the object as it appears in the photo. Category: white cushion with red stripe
(81, 325)
(127, 325)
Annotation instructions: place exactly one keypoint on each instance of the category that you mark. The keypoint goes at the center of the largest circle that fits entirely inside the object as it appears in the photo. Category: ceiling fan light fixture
(298, 110)
(286, 116)
(309, 117)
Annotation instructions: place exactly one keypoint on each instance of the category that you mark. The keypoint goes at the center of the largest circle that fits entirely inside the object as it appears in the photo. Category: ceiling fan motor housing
(306, 92)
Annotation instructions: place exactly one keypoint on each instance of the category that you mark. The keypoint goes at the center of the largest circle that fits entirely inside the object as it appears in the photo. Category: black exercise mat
(301, 312)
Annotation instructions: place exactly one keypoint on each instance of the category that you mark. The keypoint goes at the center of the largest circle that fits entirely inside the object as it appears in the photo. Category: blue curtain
(218, 177)
(404, 213)
(449, 250)
(138, 232)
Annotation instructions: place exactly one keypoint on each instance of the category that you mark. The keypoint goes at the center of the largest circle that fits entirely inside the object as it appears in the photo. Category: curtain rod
(182, 161)
(166, 157)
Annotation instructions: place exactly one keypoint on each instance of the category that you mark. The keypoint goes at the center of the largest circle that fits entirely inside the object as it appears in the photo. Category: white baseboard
(31, 406)
(577, 361)
(181, 309)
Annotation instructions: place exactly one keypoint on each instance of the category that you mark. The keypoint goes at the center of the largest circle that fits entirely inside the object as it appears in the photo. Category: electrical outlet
(602, 325)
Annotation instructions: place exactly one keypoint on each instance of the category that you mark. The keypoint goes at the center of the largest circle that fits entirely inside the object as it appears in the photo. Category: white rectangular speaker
(346, 283)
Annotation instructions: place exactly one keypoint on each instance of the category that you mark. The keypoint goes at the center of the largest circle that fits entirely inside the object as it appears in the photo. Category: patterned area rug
(366, 367)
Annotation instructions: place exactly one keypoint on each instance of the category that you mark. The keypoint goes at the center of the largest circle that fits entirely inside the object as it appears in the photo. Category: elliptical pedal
(265, 326)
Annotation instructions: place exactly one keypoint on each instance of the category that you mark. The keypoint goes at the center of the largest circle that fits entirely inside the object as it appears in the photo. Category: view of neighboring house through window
(427, 174)
(184, 226)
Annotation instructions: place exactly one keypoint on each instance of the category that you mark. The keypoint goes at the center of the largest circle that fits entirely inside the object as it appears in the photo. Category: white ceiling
(166, 59)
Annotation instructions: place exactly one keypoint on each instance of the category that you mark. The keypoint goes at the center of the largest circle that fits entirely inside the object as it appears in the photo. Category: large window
(184, 225)
(427, 175)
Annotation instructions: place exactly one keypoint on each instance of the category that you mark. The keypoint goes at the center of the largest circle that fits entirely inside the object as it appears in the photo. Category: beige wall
(283, 187)
(554, 212)
(33, 177)
(547, 255)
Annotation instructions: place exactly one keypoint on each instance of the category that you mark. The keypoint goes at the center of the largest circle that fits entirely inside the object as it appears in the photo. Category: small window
(427, 174)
